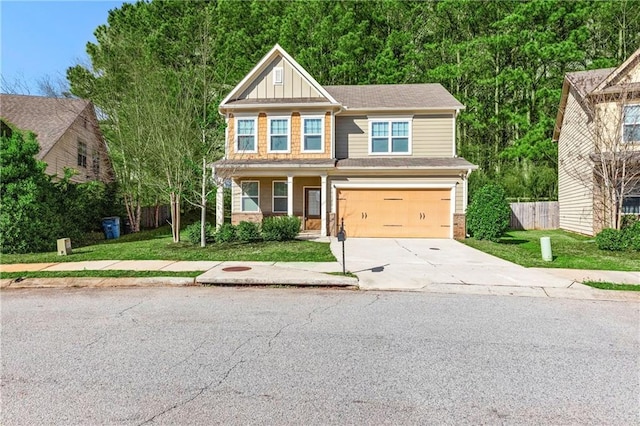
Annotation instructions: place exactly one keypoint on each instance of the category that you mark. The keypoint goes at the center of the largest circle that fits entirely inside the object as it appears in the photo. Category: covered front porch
(257, 193)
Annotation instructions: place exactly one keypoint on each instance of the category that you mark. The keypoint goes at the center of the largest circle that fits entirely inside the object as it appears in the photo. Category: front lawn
(157, 245)
(570, 250)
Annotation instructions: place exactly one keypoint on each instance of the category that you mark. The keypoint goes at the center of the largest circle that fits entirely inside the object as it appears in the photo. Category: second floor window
(246, 135)
(82, 154)
(278, 135)
(389, 137)
(631, 129)
(312, 134)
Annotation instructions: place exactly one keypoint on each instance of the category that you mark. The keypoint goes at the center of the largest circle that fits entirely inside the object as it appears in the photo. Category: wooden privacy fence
(535, 215)
(148, 216)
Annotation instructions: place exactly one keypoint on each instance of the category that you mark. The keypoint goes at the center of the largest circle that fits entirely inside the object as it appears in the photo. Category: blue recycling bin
(111, 227)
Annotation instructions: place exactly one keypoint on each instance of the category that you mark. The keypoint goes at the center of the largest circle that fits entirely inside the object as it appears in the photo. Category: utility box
(64, 246)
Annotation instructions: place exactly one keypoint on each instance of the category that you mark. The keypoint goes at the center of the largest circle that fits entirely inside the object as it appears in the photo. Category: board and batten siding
(431, 135)
(294, 85)
(575, 184)
(370, 182)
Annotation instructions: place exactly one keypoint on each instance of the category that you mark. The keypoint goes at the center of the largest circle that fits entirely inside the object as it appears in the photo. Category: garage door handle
(363, 215)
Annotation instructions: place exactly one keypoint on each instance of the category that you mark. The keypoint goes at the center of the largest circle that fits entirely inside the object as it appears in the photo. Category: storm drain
(236, 269)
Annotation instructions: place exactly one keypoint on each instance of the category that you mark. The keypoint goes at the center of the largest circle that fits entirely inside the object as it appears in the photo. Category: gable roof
(276, 51)
(394, 96)
(619, 72)
(48, 118)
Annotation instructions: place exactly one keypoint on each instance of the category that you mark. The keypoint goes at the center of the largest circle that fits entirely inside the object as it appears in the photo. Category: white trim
(452, 211)
(333, 134)
(453, 147)
(278, 72)
(226, 135)
(254, 118)
(290, 195)
(356, 185)
(277, 49)
(406, 119)
(276, 173)
(273, 196)
(242, 196)
(624, 124)
(302, 134)
(304, 202)
(323, 205)
(281, 117)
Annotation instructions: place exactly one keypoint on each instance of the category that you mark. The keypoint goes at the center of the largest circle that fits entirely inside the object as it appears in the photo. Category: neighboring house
(382, 157)
(598, 135)
(67, 131)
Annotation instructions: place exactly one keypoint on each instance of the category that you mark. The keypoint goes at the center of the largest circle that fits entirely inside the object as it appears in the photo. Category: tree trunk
(203, 206)
(175, 216)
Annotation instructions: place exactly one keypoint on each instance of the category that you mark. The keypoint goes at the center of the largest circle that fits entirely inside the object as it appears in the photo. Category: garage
(396, 213)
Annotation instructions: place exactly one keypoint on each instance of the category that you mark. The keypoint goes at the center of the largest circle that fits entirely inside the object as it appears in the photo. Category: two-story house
(598, 134)
(381, 158)
(67, 131)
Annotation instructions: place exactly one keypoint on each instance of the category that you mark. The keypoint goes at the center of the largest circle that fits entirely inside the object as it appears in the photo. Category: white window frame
(390, 121)
(255, 128)
(302, 134)
(278, 72)
(274, 196)
(624, 124)
(269, 120)
(242, 196)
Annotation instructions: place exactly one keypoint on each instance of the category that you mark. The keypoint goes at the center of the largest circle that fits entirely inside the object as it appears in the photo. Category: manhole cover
(236, 269)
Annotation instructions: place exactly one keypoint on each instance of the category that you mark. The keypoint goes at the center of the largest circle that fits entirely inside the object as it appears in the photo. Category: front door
(312, 208)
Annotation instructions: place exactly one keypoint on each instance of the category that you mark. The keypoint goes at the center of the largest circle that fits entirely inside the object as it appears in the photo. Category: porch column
(290, 195)
(219, 205)
(323, 205)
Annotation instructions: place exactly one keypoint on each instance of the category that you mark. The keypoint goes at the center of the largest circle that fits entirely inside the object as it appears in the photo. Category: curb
(97, 282)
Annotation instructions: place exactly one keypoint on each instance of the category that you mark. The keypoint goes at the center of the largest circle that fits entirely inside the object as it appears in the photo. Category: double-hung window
(246, 135)
(390, 136)
(312, 134)
(631, 129)
(280, 194)
(278, 134)
(250, 198)
(82, 153)
(631, 201)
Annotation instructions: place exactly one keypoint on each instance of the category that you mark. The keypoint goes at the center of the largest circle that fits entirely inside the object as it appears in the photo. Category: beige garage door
(400, 213)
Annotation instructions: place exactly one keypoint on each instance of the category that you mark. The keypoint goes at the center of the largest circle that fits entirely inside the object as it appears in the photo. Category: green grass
(98, 274)
(612, 286)
(157, 245)
(340, 274)
(570, 250)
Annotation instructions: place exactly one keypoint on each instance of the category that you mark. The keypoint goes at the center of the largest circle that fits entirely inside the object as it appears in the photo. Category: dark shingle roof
(394, 96)
(585, 81)
(48, 118)
(406, 162)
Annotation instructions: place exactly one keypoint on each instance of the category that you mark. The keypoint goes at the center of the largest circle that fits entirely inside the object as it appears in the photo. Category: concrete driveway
(414, 264)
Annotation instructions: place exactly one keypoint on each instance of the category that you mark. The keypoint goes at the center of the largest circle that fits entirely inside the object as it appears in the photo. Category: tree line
(159, 69)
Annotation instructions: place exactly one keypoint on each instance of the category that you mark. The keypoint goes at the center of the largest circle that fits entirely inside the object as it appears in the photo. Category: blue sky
(43, 38)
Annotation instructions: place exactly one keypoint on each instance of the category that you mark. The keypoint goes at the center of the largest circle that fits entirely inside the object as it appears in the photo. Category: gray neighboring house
(67, 131)
(380, 157)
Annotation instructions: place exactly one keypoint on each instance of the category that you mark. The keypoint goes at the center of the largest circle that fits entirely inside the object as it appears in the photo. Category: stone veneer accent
(459, 226)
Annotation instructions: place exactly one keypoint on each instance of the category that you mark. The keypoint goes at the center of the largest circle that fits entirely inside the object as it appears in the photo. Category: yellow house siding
(294, 85)
(575, 186)
(431, 135)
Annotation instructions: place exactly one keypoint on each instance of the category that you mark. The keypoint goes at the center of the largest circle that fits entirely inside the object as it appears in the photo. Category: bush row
(627, 238)
(276, 228)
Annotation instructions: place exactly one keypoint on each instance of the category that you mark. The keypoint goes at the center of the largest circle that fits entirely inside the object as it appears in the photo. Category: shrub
(610, 239)
(488, 213)
(226, 233)
(193, 233)
(631, 235)
(248, 231)
(280, 228)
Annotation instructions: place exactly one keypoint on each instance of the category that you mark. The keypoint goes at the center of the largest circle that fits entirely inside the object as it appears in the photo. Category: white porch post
(220, 205)
(323, 205)
(290, 195)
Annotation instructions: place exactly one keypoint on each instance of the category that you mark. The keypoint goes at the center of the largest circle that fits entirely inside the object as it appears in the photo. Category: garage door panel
(395, 212)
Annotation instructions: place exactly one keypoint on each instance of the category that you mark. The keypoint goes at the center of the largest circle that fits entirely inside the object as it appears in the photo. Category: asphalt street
(314, 356)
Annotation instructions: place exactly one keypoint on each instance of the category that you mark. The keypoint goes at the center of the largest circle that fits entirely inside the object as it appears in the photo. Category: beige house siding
(575, 184)
(294, 135)
(294, 85)
(424, 178)
(432, 135)
(64, 153)
(266, 192)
